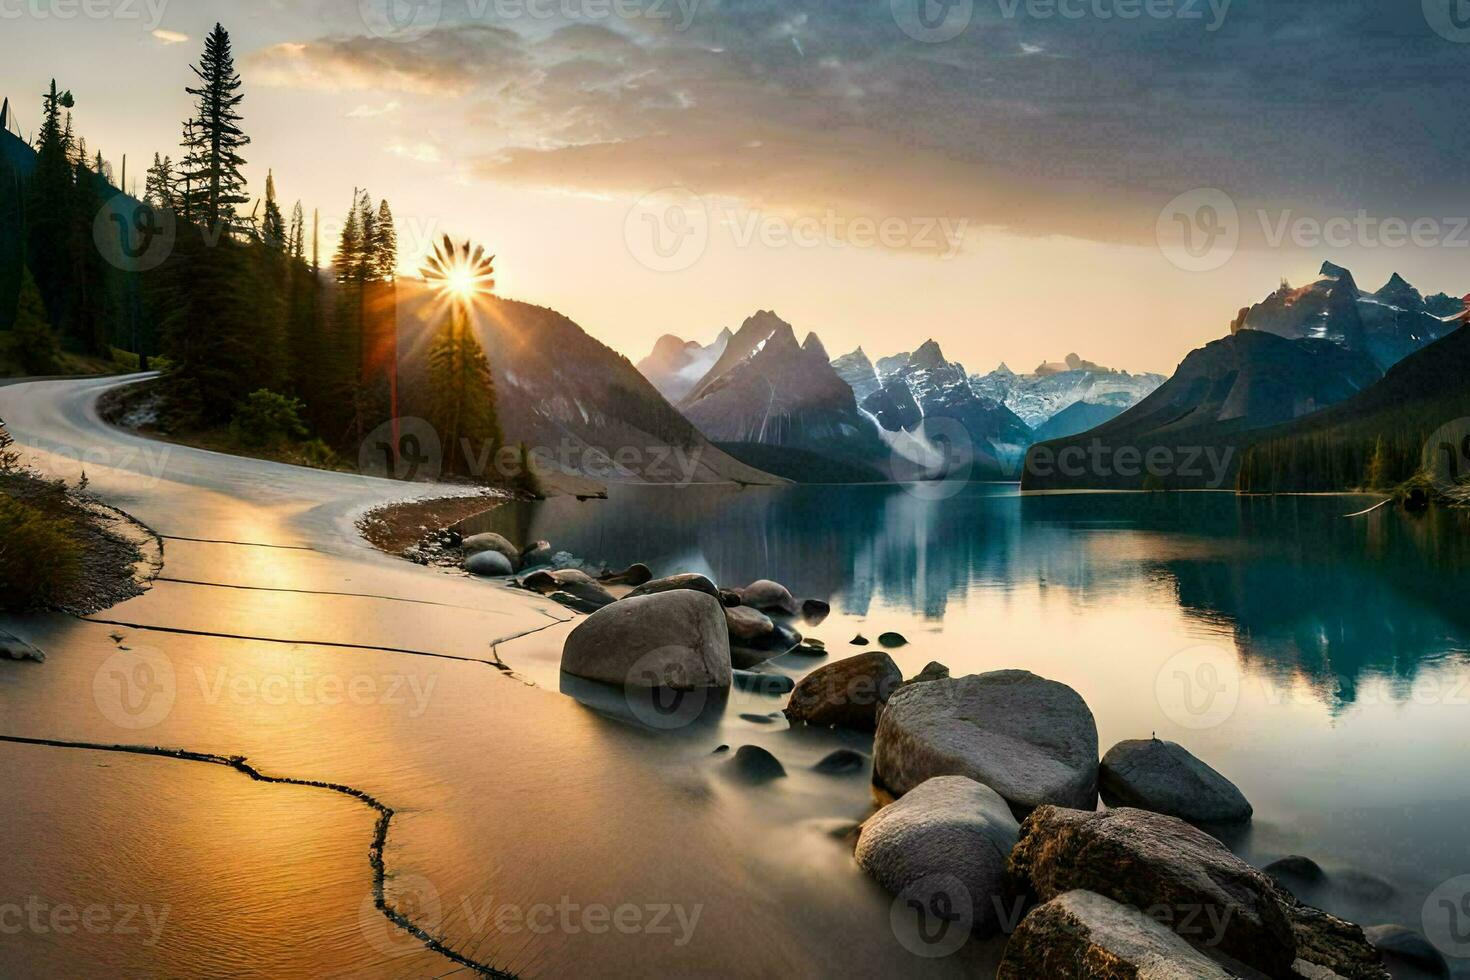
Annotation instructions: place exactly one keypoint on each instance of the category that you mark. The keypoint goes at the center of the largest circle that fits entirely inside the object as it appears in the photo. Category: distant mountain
(676, 366)
(1389, 324)
(859, 373)
(1041, 396)
(1335, 449)
(767, 389)
(562, 392)
(1077, 418)
(1220, 393)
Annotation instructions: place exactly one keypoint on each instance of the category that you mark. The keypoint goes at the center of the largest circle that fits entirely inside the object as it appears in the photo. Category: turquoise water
(1321, 662)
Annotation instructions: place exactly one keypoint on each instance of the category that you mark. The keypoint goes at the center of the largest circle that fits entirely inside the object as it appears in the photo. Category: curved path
(528, 834)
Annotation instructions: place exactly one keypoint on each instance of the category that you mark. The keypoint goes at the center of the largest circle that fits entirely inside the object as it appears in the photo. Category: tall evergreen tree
(461, 385)
(35, 342)
(159, 187)
(296, 242)
(273, 230)
(385, 245)
(49, 204)
(213, 140)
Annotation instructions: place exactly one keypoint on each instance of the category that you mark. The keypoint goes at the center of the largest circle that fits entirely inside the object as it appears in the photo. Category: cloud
(170, 37)
(417, 152)
(372, 112)
(808, 105)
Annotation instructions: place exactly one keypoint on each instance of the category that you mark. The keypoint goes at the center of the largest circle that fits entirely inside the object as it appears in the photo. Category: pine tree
(34, 340)
(273, 232)
(49, 203)
(296, 244)
(159, 188)
(462, 395)
(385, 245)
(213, 140)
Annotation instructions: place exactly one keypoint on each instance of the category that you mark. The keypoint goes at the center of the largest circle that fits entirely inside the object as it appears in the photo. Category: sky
(1017, 179)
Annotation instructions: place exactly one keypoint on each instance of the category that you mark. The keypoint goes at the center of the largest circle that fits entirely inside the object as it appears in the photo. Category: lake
(1318, 661)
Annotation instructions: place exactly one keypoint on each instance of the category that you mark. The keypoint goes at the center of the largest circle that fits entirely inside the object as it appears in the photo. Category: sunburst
(460, 273)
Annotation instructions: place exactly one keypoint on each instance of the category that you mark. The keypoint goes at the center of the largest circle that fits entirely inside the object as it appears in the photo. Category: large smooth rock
(1082, 935)
(1032, 740)
(490, 541)
(756, 638)
(489, 564)
(1155, 862)
(1164, 777)
(675, 583)
(768, 596)
(677, 640)
(950, 825)
(846, 694)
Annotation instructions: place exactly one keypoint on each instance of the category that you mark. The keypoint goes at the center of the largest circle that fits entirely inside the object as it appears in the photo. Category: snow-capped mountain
(1039, 397)
(676, 365)
(1388, 325)
(858, 371)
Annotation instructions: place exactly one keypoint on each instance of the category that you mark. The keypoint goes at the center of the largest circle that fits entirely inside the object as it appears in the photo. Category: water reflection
(1307, 594)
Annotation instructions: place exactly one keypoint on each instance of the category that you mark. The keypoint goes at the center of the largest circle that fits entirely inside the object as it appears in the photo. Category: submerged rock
(13, 647)
(638, 574)
(1169, 864)
(768, 596)
(893, 641)
(677, 640)
(676, 583)
(1032, 740)
(1294, 871)
(772, 684)
(489, 564)
(846, 694)
(1165, 778)
(1081, 935)
(572, 582)
(1408, 947)
(815, 611)
(756, 638)
(949, 826)
(842, 762)
(861, 641)
(754, 765)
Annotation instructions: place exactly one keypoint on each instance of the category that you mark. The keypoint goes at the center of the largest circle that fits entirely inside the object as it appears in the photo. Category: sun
(460, 273)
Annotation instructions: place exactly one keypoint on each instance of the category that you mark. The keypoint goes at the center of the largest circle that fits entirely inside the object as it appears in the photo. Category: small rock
(1164, 777)
(933, 672)
(842, 762)
(13, 647)
(675, 583)
(815, 611)
(768, 596)
(758, 719)
(861, 641)
(539, 553)
(1407, 946)
(489, 564)
(730, 598)
(638, 574)
(893, 641)
(677, 640)
(753, 764)
(845, 694)
(756, 638)
(772, 684)
(1295, 870)
(576, 603)
(1083, 936)
(1363, 886)
(721, 750)
(810, 648)
(952, 828)
(573, 582)
(490, 541)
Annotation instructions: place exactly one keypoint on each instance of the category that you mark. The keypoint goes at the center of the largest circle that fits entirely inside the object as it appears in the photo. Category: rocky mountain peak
(813, 345)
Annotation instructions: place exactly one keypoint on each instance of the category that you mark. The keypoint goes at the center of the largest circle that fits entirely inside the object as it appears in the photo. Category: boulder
(1408, 947)
(845, 694)
(1294, 871)
(1083, 936)
(539, 553)
(842, 762)
(573, 582)
(677, 640)
(933, 672)
(675, 583)
(490, 541)
(949, 826)
(1032, 740)
(489, 564)
(1151, 861)
(754, 765)
(815, 611)
(768, 596)
(638, 574)
(1165, 778)
(756, 638)
(1327, 942)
